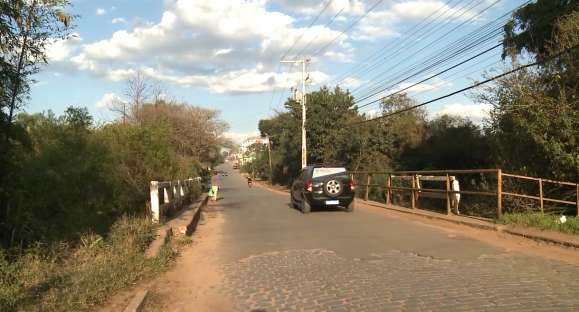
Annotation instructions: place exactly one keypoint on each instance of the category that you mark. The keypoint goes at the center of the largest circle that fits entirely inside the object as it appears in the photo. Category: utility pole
(304, 62)
(269, 158)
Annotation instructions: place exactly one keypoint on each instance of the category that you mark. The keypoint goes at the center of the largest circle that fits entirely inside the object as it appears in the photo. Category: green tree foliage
(26, 28)
(69, 177)
(336, 134)
(330, 137)
(532, 27)
(450, 143)
(258, 167)
(535, 120)
(59, 183)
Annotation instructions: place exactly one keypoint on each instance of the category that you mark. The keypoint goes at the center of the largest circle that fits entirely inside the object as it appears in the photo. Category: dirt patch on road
(193, 284)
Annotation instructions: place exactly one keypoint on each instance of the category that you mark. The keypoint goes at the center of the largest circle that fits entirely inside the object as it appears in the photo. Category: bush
(60, 278)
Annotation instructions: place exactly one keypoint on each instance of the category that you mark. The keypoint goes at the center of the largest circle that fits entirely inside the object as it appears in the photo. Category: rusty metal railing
(448, 192)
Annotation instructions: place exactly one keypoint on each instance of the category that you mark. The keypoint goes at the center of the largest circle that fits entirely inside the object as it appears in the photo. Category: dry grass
(542, 221)
(61, 278)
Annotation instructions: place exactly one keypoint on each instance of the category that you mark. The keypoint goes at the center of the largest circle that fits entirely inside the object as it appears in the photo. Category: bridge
(253, 252)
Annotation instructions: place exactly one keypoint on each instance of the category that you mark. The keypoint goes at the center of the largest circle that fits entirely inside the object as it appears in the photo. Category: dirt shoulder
(191, 285)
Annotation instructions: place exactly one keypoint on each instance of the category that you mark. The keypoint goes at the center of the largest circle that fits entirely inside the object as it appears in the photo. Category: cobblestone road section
(321, 280)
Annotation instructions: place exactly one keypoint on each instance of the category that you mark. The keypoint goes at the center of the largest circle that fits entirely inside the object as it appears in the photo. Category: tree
(534, 124)
(27, 28)
(138, 90)
(403, 131)
(194, 132)
(532, 27)
(450, 143)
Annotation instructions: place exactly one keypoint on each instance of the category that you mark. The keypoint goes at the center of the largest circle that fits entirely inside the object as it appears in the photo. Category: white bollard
(155, 211)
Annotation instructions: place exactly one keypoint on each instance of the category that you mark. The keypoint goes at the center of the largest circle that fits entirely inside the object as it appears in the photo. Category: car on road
(322, 186)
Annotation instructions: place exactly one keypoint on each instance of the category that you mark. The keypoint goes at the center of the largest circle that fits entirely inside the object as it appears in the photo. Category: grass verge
(63, 278)
(542, 221)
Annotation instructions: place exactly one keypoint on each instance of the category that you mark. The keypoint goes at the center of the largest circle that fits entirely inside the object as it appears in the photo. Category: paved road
(277, 259)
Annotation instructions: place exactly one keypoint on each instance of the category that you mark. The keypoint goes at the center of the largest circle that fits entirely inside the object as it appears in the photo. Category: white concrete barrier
(171, 193)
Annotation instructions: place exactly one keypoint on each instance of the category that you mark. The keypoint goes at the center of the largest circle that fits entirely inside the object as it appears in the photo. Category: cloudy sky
(224, 54)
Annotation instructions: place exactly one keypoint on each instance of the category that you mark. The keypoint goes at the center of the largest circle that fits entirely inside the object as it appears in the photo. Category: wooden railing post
(448, 210)
(577, 186)
(499, 193)
(155, 207)
(389, 190)
(541, 194)
(368, 178)
(412, 193)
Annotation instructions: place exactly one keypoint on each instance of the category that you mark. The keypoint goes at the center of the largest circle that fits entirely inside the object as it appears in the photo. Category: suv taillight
(309, 186)
(352, 185)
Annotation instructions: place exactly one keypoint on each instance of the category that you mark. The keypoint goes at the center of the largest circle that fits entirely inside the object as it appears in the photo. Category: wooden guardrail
(451, 193)
(169, 195)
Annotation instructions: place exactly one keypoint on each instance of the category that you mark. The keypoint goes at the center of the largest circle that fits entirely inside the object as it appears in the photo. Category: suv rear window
(321, 172)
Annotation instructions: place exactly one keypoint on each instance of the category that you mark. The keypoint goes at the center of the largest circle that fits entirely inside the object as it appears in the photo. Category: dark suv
(320, 185)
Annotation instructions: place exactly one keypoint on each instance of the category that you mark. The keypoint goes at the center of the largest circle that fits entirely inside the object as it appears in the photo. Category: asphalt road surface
(275, 258)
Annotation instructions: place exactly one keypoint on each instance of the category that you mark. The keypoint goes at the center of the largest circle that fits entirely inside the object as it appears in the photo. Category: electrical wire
(438, 39)
(478, 84)
(347, 28)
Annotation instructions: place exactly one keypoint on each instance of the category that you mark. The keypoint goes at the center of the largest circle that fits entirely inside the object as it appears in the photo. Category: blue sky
(225, 54)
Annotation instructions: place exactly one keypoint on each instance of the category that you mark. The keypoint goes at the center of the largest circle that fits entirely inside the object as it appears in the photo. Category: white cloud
(119, 20)
(108, 100)
(101, 11)
(186, 47)
(239, 137)
(223, 51)
(435, 84)
(381, 23)
(349, 7)
(419, 9)
(474, 112)
(351, 83)
(61, 49)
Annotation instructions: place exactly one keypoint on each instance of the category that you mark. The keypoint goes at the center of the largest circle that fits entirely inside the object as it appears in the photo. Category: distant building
(245, 155)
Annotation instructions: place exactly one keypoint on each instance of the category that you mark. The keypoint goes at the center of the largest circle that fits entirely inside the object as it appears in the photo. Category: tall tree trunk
(16, 84)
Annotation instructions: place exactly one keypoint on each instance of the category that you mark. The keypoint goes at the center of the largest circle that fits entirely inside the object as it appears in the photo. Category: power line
(462, 43)
(317, 35)
(467, 88)
(488, 35)
(275, 90)
(438, 61)
(374, 58)
(433, 76)
(309, 26)
(459, 74)
(375, 85)
(347, 28)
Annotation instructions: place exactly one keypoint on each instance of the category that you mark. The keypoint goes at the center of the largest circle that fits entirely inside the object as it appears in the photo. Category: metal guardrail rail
(447, 193)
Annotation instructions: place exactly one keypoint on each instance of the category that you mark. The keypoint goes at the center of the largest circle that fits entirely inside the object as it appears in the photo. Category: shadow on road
(319, 209)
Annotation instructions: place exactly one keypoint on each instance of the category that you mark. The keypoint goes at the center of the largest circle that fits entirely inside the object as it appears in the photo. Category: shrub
(61, 278)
